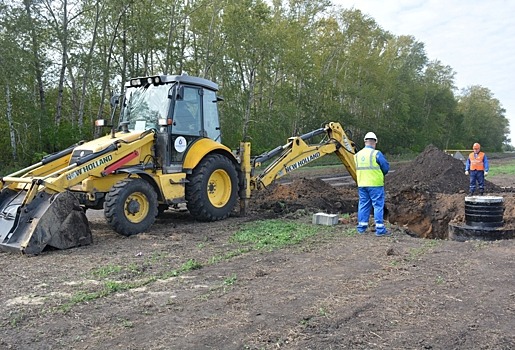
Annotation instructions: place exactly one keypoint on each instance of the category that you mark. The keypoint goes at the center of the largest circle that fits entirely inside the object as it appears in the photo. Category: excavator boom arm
(298, 154)
(293, 155)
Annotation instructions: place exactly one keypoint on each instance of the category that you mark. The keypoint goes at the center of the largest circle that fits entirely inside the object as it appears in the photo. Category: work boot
(471, 193)
(382, 234)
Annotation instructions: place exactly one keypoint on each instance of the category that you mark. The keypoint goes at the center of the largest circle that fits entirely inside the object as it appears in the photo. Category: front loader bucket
(54, 220)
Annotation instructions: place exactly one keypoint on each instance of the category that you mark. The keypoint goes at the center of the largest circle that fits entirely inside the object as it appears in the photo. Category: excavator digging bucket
(54, 220)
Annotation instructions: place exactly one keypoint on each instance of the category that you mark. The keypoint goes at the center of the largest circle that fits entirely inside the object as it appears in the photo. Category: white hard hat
(370, 135)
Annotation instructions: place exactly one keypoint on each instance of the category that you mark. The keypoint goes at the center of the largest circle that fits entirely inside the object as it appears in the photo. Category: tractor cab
(181, 108)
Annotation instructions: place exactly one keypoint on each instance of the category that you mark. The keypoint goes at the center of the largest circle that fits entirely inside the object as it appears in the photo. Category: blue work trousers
(371, 197)
(479, 177)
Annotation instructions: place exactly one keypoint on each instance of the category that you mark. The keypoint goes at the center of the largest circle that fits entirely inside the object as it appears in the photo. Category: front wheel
(212, 190)
(131, 206)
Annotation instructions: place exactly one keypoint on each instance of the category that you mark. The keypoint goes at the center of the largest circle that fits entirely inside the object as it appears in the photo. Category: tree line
(284, 68)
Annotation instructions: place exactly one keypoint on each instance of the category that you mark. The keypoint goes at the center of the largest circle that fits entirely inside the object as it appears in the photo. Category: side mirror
(115, 99)
(124, 126)
(180, 93)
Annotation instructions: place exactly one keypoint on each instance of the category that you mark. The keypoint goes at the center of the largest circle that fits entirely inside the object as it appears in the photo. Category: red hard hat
(476, 146)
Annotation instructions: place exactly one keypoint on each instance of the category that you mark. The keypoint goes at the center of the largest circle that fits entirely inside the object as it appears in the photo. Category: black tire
(212, 188)
(131, 206)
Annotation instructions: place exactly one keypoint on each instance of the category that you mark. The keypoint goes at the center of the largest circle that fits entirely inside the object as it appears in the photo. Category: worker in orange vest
(477, 167)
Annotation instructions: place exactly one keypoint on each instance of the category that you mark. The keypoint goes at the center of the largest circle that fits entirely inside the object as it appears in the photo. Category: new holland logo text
(89, 167)
(302, 162)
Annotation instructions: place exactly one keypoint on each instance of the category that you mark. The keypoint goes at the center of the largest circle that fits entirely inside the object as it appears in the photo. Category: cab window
(186, 115)
(211, 122)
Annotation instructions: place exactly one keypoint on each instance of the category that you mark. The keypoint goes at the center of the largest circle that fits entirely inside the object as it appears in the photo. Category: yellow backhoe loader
(166, 150)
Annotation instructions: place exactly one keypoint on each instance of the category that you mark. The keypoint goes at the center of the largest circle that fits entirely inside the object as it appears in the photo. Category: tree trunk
(183, 40)
(124, 57)
(169, 42)
(250, 100)
(109, 53)
(64, 45)
(74, 98)
(207, 61)
(87, 68)
(37, 69)
(107, 68)
(37, 61)
(9, 113)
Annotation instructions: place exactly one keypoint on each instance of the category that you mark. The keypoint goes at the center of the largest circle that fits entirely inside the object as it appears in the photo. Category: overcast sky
(475, 37)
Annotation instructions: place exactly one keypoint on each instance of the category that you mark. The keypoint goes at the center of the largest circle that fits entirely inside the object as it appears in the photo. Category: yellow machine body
(149, 163)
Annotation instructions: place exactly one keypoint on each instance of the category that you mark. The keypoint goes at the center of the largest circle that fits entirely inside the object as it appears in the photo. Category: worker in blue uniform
(477, 166)
(371, 167)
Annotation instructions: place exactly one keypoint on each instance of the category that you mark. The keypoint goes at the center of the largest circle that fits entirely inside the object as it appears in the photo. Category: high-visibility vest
(368, 171)
(477, 162)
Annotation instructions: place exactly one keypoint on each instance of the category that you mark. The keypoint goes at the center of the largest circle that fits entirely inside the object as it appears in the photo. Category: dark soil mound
(307, 195)
(433, 171)
(427, 193)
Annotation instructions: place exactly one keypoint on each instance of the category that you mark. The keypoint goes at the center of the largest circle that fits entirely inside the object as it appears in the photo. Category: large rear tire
(212, 189)
(131, 206)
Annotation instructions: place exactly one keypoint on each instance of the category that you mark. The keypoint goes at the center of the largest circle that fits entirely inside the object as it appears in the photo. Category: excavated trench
(424, 197)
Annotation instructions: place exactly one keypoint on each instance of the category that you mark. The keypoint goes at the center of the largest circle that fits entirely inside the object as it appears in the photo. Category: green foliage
(479, 107)
(284, 68)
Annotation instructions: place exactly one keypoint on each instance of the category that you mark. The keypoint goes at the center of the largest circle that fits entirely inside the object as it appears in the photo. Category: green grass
(253, 236)
(107, 270)
(227, 256)
(259, 235)
(427, 246)
(15, 319)
(190, 265)
(229, 281)
(126, 323)
(439, 280)
(502, 169)
(110, 287)
(273, 234)
(157, 256)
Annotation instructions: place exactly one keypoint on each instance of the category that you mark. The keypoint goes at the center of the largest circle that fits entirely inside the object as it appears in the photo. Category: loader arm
(48, 164)
(38, 206)
(292, 156)
(59, 176)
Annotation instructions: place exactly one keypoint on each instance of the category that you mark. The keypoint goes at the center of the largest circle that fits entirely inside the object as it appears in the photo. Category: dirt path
(187, 285)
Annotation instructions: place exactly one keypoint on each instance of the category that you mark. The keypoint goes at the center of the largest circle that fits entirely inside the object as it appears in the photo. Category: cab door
(194, 114)
(187, 120)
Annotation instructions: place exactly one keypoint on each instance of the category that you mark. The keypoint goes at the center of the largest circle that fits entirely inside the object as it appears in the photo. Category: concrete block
(325, 219)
